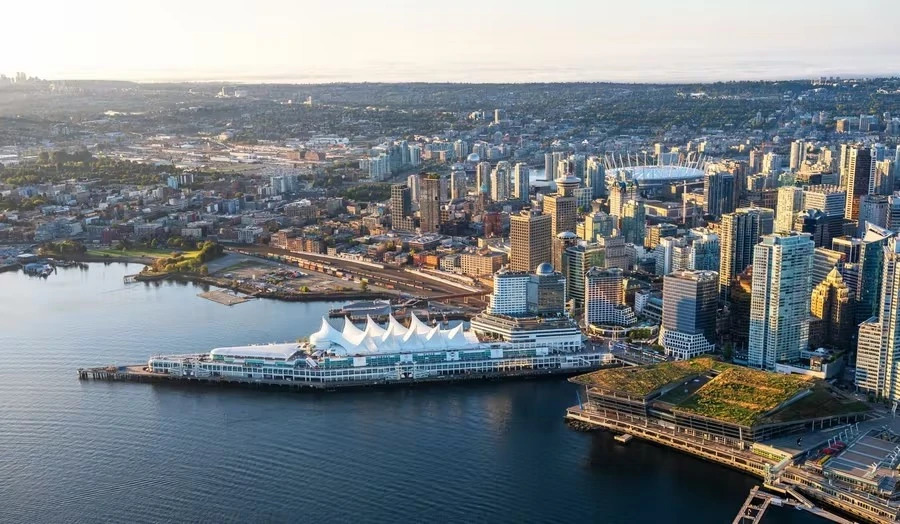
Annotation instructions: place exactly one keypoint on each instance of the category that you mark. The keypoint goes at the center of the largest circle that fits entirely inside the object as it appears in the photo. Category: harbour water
(74, 451)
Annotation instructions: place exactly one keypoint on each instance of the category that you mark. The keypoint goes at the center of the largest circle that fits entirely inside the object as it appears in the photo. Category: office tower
(529, 241)
(562, 242)
(460, 150)
(430, 204)
(893, 222)
(633, 222)
(798, 149)
(458, 184)
(871, 270)
(878, 342)
(718, 193)
(790, 201)
(499, 115)
(562, 207)
(401, 208)
(739, 232)
(670, 254)
(595, 177)
(704, 250)
(830, 303)
(657, 232)
(546, 292)
(415, 186)
(595, 223)
(815, 223)
(510, 295)
(500, 178)
(619, 193)
(779, 308)
(857, 174)
(739, 318)
(689, 313)
(883, 177)
(521, 183)
(832, 201)
(577, 260)
(849, 246)
(824, 260)
(873, 209)
(604, 298)
(615, 253)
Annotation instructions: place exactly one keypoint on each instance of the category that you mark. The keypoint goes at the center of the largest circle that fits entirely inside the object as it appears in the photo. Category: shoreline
(209, 280)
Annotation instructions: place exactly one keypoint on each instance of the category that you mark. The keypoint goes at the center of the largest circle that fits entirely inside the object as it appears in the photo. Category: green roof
(726, 392)
(640, 381)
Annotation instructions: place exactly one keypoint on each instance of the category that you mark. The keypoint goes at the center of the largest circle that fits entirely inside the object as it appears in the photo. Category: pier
(225, 298)
(797, 485)
(140, 373)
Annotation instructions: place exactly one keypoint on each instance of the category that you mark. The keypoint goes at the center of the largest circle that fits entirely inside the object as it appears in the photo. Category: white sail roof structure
(395, 338)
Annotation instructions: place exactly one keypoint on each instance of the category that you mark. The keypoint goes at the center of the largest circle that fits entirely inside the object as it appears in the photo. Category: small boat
(624, 438)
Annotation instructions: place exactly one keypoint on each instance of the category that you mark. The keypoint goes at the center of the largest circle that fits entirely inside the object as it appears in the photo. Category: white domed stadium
(647, 170)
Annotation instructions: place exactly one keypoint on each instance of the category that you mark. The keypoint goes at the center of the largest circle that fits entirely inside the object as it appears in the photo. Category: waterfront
(94, 451)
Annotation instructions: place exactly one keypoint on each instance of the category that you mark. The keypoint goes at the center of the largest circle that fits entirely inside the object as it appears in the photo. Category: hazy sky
(456, 40)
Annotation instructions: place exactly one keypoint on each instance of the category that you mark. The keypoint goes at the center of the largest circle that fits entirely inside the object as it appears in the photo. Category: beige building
(529, 240)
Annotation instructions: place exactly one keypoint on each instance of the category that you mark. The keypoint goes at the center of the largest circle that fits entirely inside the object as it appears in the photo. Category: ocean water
(73, 451)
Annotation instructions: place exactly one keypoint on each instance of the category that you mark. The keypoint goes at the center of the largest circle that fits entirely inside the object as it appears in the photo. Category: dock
(225, 298)
(758, 502)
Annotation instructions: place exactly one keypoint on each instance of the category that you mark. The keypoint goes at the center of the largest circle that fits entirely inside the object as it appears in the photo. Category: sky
(457, 40)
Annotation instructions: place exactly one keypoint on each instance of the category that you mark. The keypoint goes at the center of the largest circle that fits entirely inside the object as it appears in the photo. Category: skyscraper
(561, 242)
(521, 183)
(871, 271)
(779, 308)
(430, 204)
(718, 193)
(790, 202)
(529, 241)
(832, 201)
(830, 303)
(604, 298)
(414, 183)
(562, 207)
(401, 208)
(739, 232)
(483, 178)
(458, 184)
(546, 292)
(577, 260)
(500, 178)
(878, 343)
(857, 174)
(595, 177)
(595, 223)
(633, 222)
(873, 209)
(689, 313)
(815, 223)
(798, 152)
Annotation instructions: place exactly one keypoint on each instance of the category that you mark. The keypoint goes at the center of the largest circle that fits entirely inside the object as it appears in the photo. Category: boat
(624, 438)
(392, 353)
